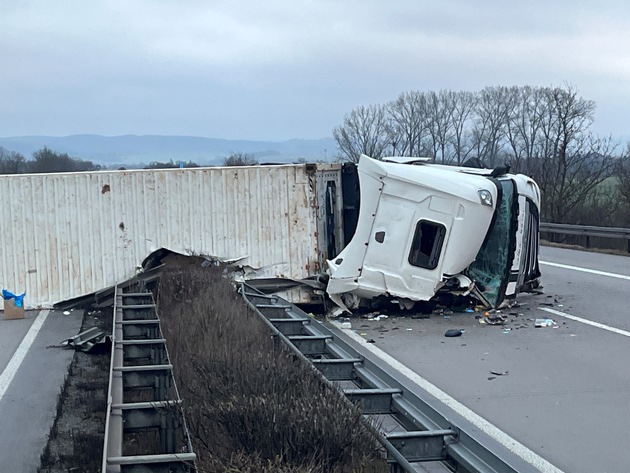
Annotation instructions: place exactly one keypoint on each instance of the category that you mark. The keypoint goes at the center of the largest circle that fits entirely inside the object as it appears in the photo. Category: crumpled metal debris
(92, 340)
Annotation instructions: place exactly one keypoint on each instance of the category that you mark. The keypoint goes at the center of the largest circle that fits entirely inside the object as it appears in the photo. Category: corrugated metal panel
(66, 235)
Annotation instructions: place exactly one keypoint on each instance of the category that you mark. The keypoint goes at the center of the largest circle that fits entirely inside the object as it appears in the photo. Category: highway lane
(32, 370)
(564, 391)
(593, 296)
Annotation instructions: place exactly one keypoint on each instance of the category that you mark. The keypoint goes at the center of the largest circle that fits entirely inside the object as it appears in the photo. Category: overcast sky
(281, 69)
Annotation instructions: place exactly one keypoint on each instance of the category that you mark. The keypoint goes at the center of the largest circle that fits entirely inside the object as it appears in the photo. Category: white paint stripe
(18, 357)
(586, 321)
(586, 270)
(482, 424)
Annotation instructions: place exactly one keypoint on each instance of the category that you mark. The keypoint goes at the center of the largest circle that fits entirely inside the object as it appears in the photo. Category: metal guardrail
(587, 231)
(142, 394)
(425, 434)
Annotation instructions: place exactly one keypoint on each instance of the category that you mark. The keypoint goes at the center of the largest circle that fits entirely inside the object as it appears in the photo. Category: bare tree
(622, 191)
(490, 123)
(11, 162)
(464, 104)
(46, 160)
(408, 127)
(364, 131)
(570, 161)
(440, 109)
(524, 124)
(622, 171)
(240, 159)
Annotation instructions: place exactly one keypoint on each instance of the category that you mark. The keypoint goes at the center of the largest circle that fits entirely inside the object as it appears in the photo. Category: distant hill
(135, 149)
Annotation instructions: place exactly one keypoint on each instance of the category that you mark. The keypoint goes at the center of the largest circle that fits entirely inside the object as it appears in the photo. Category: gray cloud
(282, 69)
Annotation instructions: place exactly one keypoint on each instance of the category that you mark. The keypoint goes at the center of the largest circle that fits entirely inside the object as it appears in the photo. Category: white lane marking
(482, 424)
(586, 321)
(18, 357)
(586, 270)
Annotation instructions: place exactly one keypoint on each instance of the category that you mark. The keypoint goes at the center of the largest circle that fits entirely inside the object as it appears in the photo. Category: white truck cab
(425, 229)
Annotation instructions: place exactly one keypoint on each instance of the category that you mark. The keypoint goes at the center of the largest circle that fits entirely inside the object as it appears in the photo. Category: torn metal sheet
(90, 341)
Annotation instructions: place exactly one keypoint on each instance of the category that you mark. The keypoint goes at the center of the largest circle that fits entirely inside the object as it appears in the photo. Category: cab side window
(427, 244)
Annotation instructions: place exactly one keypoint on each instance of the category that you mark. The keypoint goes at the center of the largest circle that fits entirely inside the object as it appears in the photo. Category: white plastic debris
(66, 312)
(346, 325)
(544, 323)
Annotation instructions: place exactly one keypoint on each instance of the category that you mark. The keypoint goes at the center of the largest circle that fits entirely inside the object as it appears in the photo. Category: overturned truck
(399, 229)
(428, 231)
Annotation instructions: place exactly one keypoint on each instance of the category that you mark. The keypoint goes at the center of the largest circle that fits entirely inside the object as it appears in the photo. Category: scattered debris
(499, 373)
(545, 323)
(495, 319)
(66, 312)
(92, 340)
(454, 332)
(371, 340)
(346, 325)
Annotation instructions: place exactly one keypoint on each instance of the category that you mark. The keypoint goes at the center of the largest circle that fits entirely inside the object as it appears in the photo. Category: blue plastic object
(8, 295)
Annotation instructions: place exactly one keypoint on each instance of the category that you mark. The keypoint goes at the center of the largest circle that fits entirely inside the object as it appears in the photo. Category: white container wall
(67, 235)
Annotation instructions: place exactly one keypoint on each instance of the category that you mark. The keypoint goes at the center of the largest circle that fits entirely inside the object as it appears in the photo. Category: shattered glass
(491, 268)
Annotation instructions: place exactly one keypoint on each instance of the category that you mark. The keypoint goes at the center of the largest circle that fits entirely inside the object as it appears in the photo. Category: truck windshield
(491, 268)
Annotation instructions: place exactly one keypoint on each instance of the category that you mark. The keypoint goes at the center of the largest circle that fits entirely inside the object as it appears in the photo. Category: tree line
(544, 132)
(46, 160)
(43, 161)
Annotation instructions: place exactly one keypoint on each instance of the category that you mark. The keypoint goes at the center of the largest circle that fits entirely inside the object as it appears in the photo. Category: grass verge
(251, 408)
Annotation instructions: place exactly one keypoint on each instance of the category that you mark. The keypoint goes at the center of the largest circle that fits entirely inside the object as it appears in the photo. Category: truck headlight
(485, 197)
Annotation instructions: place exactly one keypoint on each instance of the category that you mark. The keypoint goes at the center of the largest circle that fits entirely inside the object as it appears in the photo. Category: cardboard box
(12, 312)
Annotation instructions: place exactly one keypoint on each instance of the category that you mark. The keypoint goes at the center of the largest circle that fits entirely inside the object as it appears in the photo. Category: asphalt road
(561, 392)
(29, 390)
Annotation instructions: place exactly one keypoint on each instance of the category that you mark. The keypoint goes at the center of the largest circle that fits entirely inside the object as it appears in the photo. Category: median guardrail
(587, 231)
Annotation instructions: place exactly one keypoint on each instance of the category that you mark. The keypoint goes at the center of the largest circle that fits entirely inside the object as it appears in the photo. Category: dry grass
(250, 408)
(76, 438)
